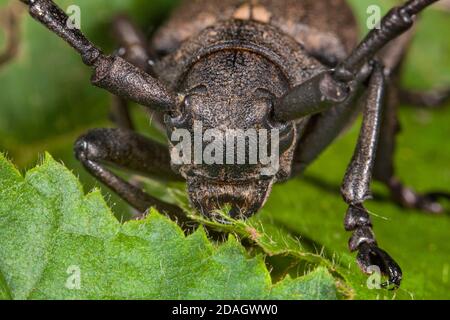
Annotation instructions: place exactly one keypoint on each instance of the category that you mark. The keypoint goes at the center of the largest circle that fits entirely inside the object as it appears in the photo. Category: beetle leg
(326, 126)
(111, 73)
(356, 186)
(408, 198)
(393, 57)
(120, 113)
(395, 23)
(12, 27)
(132, 42)
(133, 48)
(131, 151)
(384, 170)
(323, 91)
(427, 99)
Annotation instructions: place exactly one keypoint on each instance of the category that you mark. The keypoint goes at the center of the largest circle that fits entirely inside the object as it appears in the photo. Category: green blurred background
(46, 102)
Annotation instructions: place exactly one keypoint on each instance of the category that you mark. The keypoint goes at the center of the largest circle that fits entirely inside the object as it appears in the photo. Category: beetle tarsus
(428, 99)
(370, 255)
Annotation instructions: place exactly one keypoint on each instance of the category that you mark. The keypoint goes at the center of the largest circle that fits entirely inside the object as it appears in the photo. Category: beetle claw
(433, 198)
(371, 255)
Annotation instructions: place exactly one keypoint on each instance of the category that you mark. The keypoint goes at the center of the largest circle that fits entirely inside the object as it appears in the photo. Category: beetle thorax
(238, 86)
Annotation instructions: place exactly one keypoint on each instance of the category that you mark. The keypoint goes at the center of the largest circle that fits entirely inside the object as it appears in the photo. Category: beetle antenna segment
(331, 88)
(111, 73)
(396, 22)
(313, 96)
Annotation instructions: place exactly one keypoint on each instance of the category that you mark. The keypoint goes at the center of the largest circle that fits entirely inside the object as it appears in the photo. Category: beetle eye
(271, 107)
(187, 102)
(200, 89)
(195, 91)
(269, 99)
(264, 93)
(181, 109)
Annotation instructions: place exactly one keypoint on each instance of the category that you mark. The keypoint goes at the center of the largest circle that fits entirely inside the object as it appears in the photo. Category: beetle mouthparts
(236, 199)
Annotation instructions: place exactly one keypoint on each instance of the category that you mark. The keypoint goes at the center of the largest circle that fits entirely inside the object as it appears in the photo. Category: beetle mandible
(293, 66)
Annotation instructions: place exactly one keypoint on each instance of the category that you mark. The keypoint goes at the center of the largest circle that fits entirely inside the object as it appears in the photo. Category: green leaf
(58, 243)
(49, 100)
(4, 290)
(46, 101)
(313, 283)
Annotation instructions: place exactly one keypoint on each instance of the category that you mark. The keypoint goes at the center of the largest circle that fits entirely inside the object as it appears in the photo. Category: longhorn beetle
(293, 66)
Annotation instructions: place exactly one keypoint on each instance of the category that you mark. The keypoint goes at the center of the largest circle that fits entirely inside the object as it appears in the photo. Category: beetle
(291, 66)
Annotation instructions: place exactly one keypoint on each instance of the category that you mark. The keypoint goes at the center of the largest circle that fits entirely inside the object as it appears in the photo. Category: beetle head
(229, 95)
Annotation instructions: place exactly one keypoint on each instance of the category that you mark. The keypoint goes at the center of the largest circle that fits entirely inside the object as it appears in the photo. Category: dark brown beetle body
(245, 55)
(293, 67)
(322, 27)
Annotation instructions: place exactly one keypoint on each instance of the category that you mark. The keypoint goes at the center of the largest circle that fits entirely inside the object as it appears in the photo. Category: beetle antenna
(112, 73)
